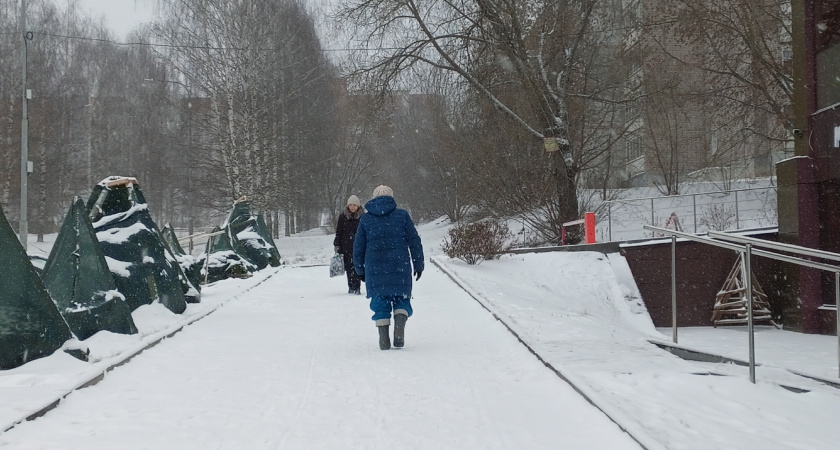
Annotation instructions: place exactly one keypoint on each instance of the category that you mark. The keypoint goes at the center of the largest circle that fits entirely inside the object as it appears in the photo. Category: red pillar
(589, 225)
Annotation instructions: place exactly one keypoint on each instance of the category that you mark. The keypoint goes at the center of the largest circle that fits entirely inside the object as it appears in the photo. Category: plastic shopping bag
(336, 266)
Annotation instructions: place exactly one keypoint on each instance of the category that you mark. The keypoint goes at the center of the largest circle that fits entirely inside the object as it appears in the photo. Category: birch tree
(259, 64)
(9, 101)
(350, 167)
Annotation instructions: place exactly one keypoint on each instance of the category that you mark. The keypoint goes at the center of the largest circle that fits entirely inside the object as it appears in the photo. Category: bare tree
(527, 59)
(351, 166)
(80, 123)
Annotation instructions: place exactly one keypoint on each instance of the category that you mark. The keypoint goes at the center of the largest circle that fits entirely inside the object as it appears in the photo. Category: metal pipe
(207, 262)
(24, 136)
(674, 287)
(739, 248)
(692, 237)
(198, 235)
(652, 219)
(837, 315)
(795, 260)
(747, 260)
(190, 233)
(694, 203)
(737, 218)
(790, 248)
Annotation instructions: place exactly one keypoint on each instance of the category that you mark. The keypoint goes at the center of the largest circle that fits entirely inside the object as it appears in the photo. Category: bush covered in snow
(478, 241)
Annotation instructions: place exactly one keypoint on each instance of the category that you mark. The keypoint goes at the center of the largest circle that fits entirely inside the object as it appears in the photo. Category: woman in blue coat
(386, 251)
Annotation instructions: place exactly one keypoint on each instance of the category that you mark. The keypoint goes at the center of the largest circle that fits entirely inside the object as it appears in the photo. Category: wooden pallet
(731, 303)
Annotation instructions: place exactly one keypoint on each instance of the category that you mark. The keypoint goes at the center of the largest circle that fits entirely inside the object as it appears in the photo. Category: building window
(634, 148)
(828, 53)
(633, 14)
(631, 111)
(713, 143)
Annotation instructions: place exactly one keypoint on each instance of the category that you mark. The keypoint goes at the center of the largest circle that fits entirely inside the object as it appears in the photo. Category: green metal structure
(143, 269)
(80, 283)
(252, 238)
(30, 325)
(190, 266)
(220, 261)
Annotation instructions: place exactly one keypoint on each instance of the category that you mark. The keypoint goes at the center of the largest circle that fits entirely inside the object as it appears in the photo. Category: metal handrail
(790, 248)
(198, 235)
(193, 237)
(747, 251)
(780, 246)
(694, 237)
(207, 257)
(744, 250)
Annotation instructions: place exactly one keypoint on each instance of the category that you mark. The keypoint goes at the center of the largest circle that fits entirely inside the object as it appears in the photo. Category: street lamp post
(24, 135)
(189, 168)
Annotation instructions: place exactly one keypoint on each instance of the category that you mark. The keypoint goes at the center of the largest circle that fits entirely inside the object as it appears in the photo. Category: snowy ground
(289, 360)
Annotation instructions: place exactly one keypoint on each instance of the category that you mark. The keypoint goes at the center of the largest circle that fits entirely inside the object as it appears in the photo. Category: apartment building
(703, 101)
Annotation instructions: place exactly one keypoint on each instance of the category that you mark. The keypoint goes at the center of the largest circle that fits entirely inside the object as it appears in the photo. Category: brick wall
(701, 272)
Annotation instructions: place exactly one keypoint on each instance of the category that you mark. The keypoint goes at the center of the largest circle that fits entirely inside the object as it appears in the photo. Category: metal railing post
(609, 221)
(674, 288)
(206, 266)
(737, 218)
(837, 315)
(750, 326)
(652, 223)
(694, 203)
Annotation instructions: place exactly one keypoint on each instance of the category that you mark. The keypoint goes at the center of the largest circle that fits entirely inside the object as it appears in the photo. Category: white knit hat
(353, 200)
(382, 191)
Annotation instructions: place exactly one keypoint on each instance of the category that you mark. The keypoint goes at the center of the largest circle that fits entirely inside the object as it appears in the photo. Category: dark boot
(399, 330)
(384, 338)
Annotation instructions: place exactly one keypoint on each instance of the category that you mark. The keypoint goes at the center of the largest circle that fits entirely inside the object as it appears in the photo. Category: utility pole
(191, 212)
(24, 134)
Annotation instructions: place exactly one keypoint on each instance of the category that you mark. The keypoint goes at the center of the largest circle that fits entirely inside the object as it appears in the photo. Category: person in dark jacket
(345, 233)
(387, 246)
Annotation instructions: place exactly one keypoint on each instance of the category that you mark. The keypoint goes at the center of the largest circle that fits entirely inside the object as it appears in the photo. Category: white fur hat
(383, 190)
(353, 200)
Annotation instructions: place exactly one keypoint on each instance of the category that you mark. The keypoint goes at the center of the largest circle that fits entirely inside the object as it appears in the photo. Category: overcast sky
(121, 16)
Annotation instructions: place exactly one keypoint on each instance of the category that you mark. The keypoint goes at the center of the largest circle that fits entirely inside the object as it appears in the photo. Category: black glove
(362, 277)
(338, 249)
(417, 273)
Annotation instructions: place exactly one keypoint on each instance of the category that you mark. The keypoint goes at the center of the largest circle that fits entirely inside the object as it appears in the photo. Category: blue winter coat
(384, 238)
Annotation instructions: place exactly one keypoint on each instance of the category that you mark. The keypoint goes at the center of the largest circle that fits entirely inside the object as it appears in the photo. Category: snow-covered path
(289, 360)
(295, 364)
